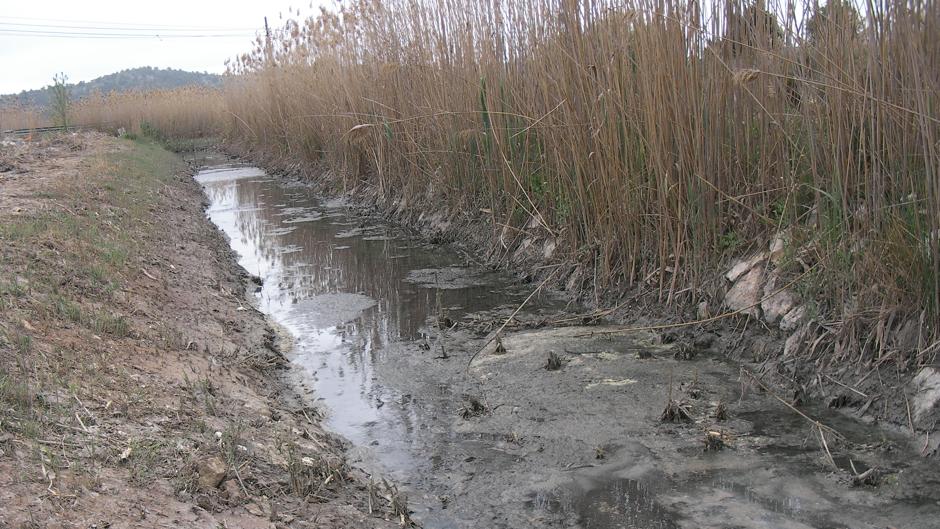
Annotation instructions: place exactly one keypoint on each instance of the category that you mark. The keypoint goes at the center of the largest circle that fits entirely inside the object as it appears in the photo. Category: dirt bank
(138, 385)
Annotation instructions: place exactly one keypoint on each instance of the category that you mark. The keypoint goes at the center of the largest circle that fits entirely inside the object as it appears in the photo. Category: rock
(702, 312)
(793, 318)
(254, 509)
(744, 266)
(231, 490)
(776, 306)
(778, 246)
(739, 268)
(926, 388)
(746, 292)
(794, 342)
(211, 472)
(548, 249)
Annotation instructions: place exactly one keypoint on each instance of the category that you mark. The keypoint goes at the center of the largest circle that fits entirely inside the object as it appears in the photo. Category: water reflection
(338, 285)
(303, 249)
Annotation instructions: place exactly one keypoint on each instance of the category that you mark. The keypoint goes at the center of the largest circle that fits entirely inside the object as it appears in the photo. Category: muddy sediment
(558, 421)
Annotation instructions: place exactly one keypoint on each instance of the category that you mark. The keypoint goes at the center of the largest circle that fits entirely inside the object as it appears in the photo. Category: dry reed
(14, 117)
(191, 112)
(653, 139)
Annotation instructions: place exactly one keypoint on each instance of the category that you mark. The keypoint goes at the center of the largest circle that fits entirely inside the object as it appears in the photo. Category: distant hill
(145, 78)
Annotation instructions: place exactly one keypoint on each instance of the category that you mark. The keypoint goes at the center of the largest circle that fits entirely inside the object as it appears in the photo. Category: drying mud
(405, 348)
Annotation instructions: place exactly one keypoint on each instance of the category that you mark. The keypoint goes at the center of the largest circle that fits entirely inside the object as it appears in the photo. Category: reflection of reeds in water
(315, 266)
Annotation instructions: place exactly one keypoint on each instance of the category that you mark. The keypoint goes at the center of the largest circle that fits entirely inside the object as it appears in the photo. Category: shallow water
(362, 298)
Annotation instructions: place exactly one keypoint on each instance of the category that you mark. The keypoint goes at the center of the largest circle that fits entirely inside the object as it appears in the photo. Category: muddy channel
(384, 324)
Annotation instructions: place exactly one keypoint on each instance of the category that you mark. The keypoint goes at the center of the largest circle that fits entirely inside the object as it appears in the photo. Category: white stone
(744, 265)
(926, 386)
(739, 268)
(549, 249)
(778, 246)
(793, 318)
(777, 305)
(745, 295)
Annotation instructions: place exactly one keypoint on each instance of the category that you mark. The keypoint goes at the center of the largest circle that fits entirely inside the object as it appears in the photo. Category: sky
(37, 37)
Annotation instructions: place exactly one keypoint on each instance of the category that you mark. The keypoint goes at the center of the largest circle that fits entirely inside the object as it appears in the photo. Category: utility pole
(267, 40)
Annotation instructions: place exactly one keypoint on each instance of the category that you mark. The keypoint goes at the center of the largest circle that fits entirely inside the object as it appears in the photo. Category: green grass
(62, 267)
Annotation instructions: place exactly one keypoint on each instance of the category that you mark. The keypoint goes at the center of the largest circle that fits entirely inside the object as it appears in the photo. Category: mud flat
(548, 425)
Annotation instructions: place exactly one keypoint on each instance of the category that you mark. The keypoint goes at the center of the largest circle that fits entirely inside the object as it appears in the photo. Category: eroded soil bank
(139, 387)
(554, 424)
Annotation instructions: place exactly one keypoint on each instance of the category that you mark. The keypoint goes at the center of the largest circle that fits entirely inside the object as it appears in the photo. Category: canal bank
(138, 386)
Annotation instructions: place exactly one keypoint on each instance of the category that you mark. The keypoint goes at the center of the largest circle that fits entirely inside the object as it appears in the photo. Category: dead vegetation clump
(721, 411)
(310, 474)
(395, 502)
(716, 440)
(472, 407)
(677, 411)
(500, 348)
(553, 362)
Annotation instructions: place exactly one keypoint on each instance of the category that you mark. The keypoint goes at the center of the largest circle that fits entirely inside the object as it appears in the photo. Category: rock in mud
(211, 472)
(743, 266)
(778, 246)
(793, 318)
(231, 490)
(746, 292)
(926, 386)
(794, 342)
(777, 305)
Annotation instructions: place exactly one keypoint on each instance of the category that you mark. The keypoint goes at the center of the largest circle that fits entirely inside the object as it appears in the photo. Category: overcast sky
(37, 37)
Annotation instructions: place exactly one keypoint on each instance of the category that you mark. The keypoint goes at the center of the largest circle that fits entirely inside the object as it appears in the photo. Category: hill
(144, 78)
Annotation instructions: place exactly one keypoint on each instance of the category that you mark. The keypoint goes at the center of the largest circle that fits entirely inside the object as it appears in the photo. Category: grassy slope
(125, 362)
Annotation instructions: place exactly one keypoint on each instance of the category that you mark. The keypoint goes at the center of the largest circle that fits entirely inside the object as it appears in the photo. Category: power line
(104, 35)
(118, 25)
(122, 28)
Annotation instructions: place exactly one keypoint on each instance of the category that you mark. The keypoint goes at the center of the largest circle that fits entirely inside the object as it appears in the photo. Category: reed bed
(13, 117)
(653, 139)
(191, 112)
